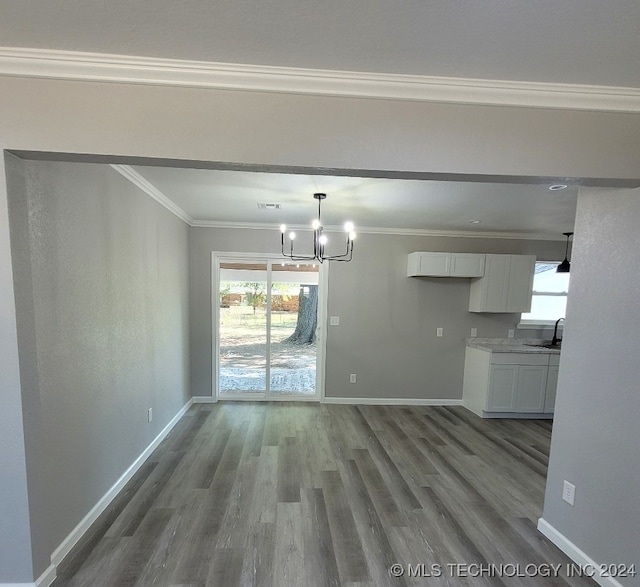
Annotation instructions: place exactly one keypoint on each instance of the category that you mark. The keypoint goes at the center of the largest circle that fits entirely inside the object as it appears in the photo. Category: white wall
(595, 443)
(254, 128)
(101, 273)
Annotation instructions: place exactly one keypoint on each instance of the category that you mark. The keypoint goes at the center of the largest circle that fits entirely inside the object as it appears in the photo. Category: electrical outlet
(334, 321)
(474, 332)
(569, 492)
(352, 378)
(511, 333)
(439, 331)
(149, 414)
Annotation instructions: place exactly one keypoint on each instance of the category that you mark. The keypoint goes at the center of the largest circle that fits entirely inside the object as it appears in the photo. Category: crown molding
(148, 188)
(386, 231)
(98, 67)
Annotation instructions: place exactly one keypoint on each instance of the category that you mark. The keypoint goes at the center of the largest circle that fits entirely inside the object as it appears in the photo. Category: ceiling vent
(265, 206)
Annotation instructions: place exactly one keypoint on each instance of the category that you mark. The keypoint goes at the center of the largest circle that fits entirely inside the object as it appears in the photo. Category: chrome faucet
(555, 340)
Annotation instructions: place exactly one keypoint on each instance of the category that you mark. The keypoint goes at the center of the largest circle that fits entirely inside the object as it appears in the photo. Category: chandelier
(319, 241)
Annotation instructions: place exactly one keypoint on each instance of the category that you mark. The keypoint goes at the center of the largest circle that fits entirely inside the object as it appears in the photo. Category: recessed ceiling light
(559, 186)
(475, 221)
(264, 206)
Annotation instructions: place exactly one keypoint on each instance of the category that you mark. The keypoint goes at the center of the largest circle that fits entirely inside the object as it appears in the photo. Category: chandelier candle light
(319, 240)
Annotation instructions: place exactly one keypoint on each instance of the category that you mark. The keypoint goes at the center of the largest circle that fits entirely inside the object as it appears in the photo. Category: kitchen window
(549, 300)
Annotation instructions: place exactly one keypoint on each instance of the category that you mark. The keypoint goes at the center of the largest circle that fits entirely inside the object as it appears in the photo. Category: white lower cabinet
(509, 384)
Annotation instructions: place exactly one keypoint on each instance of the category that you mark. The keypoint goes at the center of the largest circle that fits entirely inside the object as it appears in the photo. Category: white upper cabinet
(445, 265)
(506, 285)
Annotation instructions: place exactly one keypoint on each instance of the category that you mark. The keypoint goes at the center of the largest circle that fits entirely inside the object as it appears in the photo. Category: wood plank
(289, 471)
(321, 567)
(288, 556)
(257, 568)
(352, 564)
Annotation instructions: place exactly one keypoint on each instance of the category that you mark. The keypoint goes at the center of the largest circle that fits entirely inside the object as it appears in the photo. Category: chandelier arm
(301, 257)
(346, 257)
(339, 258)
(348, 252)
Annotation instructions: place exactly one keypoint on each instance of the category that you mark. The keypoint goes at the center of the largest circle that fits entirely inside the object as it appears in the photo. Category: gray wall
(595, 442)
(387, 320)
(15, 537)
(101, 274)
(318, 131)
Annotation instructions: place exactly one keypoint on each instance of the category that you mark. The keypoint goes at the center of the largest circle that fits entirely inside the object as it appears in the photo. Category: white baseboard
(575, 554)
(43, 580)
(204, 399)
(46, 578)
(72, 539)
(385, 401)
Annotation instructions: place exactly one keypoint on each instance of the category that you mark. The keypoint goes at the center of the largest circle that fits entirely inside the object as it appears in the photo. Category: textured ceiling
(569, 41)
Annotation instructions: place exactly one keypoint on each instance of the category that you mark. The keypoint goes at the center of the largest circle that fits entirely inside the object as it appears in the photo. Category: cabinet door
(429, 264)
(522, 268)
(552, 384)
(502, 385)
(530, 389)
(495, 283)
(467, 265)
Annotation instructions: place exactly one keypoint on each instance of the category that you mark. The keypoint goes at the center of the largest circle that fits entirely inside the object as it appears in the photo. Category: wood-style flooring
(301, 494)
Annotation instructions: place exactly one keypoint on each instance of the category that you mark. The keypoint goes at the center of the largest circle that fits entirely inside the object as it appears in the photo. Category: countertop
(511, 345)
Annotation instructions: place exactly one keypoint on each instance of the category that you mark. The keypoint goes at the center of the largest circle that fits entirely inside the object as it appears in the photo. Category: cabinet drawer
(519, 359)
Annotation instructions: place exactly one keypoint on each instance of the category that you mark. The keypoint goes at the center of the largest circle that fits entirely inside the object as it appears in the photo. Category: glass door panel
(242, 328)
(293, 321)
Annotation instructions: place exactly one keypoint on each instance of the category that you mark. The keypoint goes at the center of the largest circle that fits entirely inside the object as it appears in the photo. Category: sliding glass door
(266, 329)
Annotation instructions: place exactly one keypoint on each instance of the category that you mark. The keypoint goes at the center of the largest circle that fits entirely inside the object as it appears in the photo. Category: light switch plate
(474, 332)
(569, 493)
(439, 331)
(511, 333)
(334, 321)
